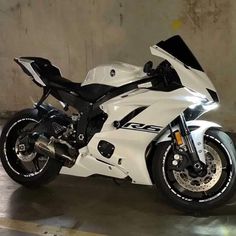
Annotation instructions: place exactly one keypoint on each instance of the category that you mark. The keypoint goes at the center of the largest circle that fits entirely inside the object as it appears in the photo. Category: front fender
(198, 129)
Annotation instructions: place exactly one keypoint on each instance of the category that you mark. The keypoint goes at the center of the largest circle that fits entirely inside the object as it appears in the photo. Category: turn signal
(178, 138)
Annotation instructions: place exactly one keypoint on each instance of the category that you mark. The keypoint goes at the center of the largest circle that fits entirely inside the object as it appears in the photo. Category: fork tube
(185, 132)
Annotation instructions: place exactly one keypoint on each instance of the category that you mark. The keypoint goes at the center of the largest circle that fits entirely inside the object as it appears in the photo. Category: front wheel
(189, 192)
(26, 167)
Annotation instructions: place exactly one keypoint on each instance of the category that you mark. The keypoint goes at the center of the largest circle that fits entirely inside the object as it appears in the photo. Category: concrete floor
(97, 206)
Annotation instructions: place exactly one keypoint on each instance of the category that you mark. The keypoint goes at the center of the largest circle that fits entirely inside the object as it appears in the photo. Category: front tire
(190, 193)
(31, 170)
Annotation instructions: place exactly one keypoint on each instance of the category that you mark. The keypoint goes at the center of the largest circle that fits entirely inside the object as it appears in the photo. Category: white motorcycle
(132, 123)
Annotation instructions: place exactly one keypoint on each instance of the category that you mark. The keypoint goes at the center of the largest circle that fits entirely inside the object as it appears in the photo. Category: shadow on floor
(96, 204)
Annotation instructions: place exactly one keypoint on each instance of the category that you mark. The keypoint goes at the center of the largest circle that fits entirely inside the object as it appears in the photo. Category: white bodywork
(129, 157)
(27, 64)
(193, 79)
(116, 74)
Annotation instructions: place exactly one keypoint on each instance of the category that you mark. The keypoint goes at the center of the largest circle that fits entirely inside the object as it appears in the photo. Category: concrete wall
(80, 34)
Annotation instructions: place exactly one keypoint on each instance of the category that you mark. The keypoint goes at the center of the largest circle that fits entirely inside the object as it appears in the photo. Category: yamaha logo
(112, 72)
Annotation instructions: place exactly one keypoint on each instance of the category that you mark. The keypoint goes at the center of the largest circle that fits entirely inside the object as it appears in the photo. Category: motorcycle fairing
(177, 48)
(191, 78)
(128, 158)
(161, 109)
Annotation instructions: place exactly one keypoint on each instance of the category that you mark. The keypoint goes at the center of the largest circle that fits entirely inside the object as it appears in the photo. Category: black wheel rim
(201, 196)
(19, 167)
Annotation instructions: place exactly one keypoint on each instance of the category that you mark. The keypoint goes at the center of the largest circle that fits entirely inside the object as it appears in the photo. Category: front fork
(186, 134)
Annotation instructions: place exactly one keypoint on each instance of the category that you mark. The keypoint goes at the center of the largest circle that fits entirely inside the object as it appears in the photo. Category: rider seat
(90, 93)
(51, 76)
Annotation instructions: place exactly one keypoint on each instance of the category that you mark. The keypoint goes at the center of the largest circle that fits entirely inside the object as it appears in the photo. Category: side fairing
(161, 107)
(130, 144)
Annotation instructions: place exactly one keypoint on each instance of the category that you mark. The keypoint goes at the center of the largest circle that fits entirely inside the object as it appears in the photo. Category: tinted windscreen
(177, 48)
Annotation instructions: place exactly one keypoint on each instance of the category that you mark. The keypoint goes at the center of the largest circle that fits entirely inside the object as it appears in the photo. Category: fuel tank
(116, 74)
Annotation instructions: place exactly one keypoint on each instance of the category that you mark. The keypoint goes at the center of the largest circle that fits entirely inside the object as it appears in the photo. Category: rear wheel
(20, 161)
(190, 192)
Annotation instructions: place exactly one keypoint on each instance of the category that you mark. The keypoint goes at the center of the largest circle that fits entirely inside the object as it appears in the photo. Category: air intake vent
(213, 95)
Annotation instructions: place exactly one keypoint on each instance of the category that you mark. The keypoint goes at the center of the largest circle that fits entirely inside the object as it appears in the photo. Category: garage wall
(77, 35)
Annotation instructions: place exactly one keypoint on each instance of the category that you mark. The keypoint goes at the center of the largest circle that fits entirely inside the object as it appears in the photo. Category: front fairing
(189, 70)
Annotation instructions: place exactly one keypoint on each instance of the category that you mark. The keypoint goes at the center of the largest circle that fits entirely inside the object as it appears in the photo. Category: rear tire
(192, 198)
(10, 161)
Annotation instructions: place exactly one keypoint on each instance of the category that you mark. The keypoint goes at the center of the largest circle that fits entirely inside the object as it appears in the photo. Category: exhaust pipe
(54, 149)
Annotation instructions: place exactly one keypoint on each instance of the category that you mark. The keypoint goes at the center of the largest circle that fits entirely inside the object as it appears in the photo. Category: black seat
(52, 77)
(93, 92)
(90, 93)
